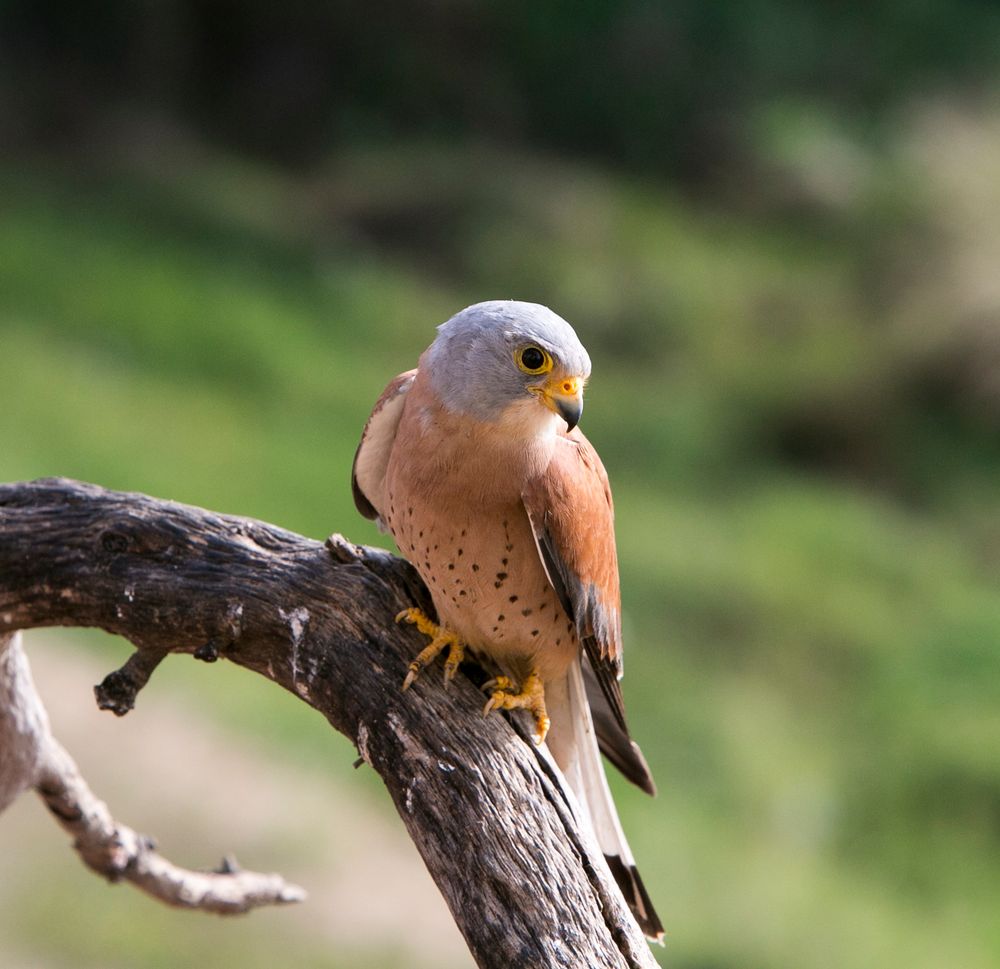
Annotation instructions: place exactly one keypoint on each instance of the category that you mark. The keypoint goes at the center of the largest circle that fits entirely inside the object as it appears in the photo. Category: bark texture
(486, 809)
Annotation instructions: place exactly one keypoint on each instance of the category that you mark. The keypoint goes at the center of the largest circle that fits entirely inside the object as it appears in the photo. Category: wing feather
(614, 742)
(571, 513)
(372, 456)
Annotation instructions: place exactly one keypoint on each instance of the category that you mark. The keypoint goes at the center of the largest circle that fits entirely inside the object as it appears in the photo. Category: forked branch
(486, 809)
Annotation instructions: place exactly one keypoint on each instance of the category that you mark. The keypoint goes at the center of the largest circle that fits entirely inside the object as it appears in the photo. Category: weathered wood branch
(486, 809)
(30, 756)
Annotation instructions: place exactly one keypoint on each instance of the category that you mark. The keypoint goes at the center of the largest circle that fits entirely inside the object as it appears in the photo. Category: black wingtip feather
(577, 601)
(609, 685)
(636, 896)
(614, 741)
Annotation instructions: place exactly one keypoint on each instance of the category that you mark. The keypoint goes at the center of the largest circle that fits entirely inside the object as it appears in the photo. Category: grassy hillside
(805, 485)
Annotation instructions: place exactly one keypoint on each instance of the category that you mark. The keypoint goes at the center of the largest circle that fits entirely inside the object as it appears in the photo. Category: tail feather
(635, 894)
(573, 743)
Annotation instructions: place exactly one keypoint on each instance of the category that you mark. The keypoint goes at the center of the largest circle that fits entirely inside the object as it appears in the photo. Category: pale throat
(529, 421)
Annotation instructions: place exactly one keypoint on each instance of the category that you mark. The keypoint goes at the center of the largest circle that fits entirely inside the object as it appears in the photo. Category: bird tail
(573, 743)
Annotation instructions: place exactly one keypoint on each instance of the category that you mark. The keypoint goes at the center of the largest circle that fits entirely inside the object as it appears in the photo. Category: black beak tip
(570, 411)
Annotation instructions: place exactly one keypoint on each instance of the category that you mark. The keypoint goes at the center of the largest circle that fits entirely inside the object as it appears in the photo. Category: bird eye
(533, 360)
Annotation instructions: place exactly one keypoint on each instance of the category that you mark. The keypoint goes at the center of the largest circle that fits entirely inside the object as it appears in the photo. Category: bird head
(509, 361)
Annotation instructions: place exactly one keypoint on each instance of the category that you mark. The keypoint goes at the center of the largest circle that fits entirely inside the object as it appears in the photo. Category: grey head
(501, 354)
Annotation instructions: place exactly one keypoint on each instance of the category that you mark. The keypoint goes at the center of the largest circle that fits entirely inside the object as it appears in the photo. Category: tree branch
(486, 809)
(31, 757)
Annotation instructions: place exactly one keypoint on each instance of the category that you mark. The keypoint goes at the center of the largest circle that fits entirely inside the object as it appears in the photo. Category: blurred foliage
(664, 87)
(796, 340)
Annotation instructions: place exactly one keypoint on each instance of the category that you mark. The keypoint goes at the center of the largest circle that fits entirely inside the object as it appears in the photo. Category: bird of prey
(474, 464)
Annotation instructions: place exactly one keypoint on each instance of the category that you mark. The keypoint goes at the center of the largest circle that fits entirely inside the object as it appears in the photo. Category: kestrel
(475, 466)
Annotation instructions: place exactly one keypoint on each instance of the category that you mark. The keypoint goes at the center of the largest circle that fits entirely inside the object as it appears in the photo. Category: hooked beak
(563, 396)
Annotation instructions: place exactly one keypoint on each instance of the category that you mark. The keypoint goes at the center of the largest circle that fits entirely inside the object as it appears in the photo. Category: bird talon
(440, 638)
(531, 697)
(420, 619)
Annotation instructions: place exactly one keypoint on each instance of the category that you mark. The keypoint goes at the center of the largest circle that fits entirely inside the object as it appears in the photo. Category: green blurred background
(224, 226)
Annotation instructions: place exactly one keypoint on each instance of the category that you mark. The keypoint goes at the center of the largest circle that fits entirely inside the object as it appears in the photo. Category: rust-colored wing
(571, 513)
(572, 518)
(372, 456)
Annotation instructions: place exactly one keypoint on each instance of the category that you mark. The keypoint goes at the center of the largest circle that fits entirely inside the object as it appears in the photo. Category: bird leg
(440, 637)
(504, 695)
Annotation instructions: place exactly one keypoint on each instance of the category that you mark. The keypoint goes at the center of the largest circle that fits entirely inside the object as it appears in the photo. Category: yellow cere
(567, 386)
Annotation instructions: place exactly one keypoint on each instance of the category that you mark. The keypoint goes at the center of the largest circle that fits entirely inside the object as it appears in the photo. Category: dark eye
(533, 360)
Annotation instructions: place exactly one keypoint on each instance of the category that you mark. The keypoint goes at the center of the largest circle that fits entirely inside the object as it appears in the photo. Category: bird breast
(453, 505)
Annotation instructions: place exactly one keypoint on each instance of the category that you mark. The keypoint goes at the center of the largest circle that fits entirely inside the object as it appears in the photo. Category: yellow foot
(440, 637)
(505, 696)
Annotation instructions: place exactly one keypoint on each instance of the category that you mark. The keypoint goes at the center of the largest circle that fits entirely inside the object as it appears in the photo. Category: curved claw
(412, 674)
(495, 702)
(502, 684)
